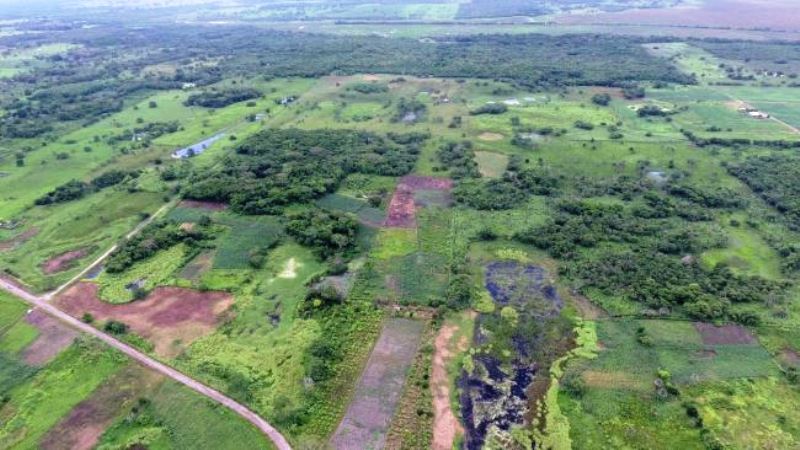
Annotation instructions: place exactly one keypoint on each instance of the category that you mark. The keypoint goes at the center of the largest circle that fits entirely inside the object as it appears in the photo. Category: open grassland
(146, 275)
(92, 225)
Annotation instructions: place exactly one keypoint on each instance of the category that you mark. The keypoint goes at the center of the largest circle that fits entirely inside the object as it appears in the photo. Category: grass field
(148, 274)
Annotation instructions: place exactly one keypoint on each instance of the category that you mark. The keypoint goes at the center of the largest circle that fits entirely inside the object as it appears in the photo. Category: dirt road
(108, 252)
(41, 303)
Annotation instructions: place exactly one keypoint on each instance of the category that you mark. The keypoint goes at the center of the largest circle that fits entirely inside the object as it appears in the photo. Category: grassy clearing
(148, 274)
(395, 242)
(245, 237)
(491, 165)
(94, 223)
(258, 357)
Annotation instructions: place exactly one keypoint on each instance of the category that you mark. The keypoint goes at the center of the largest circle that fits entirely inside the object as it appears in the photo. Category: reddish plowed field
(169, 317)
(402, 210)
(63, 261)
(724, 335)
(403, 206)
(83, 426)
(53, 337)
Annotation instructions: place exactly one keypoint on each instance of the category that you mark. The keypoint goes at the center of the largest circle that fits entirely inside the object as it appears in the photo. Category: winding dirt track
(41, 302)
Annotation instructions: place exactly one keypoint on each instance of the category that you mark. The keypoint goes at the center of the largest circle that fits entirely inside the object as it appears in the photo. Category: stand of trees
(275, 168)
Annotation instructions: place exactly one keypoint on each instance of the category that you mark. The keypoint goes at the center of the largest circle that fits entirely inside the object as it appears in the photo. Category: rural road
(108, 252)
(41, 302)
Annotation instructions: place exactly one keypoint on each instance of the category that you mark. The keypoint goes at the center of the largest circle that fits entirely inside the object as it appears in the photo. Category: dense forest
(775, 179)
(277, 167)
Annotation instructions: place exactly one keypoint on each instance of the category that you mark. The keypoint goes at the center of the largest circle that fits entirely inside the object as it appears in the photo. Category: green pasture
(94, 223)
(690, 60)
(735, 124)
(15, 332)
(175, 417)
(244, 236)
(147, 274)
(746, 252)
(258, 357)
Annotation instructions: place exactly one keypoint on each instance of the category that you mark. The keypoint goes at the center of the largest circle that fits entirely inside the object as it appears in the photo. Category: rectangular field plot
(246, 234)
(692, 353)
(367, 419)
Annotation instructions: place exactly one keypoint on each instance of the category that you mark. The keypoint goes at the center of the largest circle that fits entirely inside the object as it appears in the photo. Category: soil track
(41, 302)
(369, 415)
(167, 316)
(445, 424)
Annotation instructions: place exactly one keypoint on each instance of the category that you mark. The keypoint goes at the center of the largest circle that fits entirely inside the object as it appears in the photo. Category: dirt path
(41, 302)
(108, 252)
(445, 424)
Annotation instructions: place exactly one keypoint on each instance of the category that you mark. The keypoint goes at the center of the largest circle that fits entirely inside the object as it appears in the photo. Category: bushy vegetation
(277, 167)
(222, 98)
(156, 236)
(774, 178)
(651, 272)
(328, 233)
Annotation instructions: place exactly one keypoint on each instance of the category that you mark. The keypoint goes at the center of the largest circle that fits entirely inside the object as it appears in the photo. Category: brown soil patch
(402, 209)
(53, 337)
(369, 415)
(612, 380)
(706, 353)
(83, 426)
(371, 78)
(746, 14)
(198, 266)
(491, 137)
(211, 206)
(170, 317)
(403, 206)
(445, 424)
(790, 357)
(724, 335)
(63, 261)
(587, 309)
(18, 240)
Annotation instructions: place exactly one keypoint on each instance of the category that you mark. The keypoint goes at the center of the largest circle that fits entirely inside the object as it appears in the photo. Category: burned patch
(516, 341)
(170, 317)
(724, 335)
